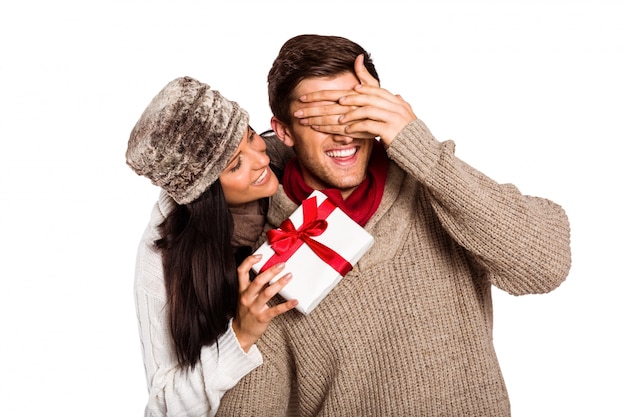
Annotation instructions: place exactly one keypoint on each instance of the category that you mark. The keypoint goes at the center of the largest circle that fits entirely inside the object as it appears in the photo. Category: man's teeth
(262, 177)
(341, 153)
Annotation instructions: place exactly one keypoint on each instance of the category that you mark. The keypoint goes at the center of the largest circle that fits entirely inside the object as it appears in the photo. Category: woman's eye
(237, 166)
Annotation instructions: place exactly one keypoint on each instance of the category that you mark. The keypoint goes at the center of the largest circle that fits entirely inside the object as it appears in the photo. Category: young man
(409, 330)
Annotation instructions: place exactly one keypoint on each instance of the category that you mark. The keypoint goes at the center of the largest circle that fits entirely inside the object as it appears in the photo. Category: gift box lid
(313, 278)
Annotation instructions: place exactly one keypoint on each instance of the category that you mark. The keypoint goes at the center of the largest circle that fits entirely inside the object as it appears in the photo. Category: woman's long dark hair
(200, 272)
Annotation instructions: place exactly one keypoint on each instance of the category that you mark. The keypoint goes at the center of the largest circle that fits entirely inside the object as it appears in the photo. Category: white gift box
(313, 278)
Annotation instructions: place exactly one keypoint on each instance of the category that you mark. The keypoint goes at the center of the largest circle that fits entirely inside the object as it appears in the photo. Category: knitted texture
(408, 332)
(172, 390)
(185, 138)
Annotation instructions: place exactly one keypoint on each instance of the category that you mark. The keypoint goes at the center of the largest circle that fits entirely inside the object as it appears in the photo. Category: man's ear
(282, 131)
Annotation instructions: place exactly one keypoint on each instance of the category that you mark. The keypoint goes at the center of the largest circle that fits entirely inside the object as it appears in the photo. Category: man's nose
(342, 139)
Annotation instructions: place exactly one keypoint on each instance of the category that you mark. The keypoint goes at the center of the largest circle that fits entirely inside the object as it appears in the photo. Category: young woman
(199, 312)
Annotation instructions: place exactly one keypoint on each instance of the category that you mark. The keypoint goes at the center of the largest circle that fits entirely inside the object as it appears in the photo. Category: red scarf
(361, 205)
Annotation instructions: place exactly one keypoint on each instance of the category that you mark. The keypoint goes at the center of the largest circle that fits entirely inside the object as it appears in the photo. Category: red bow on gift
(286, 240)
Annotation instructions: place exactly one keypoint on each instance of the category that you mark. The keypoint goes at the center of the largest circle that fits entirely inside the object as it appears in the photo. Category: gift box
(319, 244)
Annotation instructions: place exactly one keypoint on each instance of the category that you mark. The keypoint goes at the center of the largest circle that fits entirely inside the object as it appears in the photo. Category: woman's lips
(261, 178)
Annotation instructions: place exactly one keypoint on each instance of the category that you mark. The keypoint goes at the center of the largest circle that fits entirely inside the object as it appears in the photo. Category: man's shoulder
(281, 207)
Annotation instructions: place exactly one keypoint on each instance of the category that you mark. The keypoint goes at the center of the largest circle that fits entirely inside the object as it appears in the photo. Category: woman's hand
(253, 313)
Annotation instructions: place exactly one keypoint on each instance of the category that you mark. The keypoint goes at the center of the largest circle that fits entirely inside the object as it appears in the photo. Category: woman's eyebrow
(233, 158)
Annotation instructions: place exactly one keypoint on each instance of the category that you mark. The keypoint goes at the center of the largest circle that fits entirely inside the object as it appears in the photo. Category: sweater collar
(385, 224)
(248, 220)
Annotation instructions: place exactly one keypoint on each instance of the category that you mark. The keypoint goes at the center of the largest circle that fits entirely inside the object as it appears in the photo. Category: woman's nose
(260, 158)
(258, 150)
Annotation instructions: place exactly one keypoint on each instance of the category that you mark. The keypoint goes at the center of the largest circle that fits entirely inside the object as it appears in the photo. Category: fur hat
(185, 138)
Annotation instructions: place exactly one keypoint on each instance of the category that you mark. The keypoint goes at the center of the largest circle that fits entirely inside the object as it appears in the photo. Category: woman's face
(248, 177)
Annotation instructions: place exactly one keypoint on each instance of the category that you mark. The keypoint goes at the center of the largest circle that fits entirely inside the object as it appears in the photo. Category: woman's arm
(175, 391)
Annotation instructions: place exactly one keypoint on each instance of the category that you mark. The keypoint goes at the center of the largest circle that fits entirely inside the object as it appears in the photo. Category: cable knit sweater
(172, 390)
(408, 332)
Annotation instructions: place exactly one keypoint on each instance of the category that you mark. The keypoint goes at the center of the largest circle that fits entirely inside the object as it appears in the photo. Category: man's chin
(347, 184)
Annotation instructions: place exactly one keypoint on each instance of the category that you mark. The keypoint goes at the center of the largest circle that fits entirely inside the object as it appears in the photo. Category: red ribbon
(286, 240)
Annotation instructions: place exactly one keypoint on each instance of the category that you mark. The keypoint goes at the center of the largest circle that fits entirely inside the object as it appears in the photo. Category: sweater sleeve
(266, 390)
(523, 242)
(174, 391)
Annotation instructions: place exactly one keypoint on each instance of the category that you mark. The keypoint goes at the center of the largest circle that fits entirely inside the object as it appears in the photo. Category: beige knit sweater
(409, 331)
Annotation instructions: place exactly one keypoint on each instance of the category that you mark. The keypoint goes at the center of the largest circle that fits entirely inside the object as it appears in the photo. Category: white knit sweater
(174, 391)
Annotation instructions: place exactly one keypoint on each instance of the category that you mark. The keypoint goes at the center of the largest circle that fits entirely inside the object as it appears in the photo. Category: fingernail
(288, 276)
(298, 113)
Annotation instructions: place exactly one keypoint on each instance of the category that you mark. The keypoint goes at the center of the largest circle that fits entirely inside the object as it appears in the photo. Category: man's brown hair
(308, 56)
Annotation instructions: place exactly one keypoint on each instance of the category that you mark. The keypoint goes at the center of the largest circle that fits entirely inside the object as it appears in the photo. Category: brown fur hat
(185, 138)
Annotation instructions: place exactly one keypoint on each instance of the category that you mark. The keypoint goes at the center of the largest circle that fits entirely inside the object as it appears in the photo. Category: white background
(532, 92)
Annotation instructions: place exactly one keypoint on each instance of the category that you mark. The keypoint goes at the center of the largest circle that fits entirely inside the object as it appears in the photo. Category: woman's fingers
(271, 290)
(253, 313)
(255, 287)
(268, 313)
(281, 308)
(243, 271)
(265, 286)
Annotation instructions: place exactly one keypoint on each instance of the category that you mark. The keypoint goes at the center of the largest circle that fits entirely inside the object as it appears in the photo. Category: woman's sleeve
(266, 391)
(174, 391)
(521, 241)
